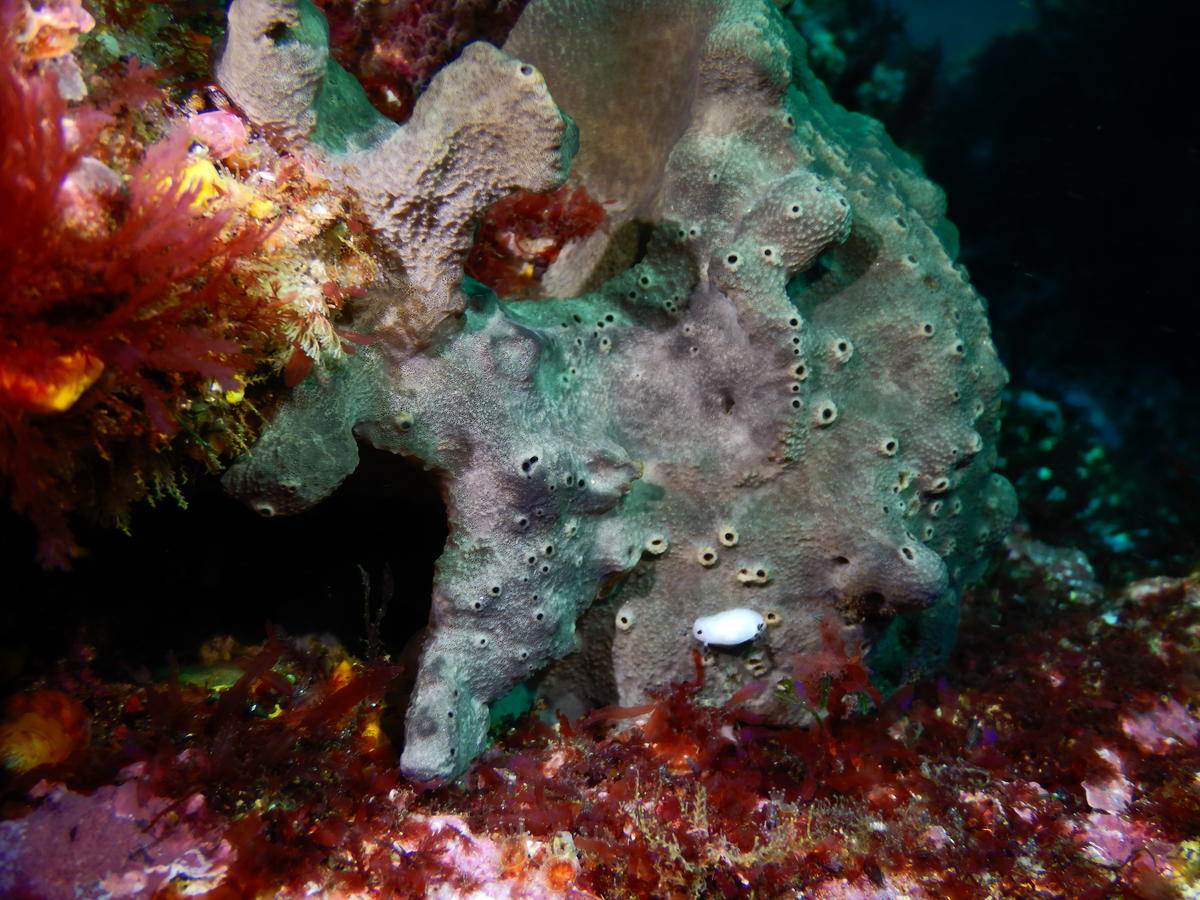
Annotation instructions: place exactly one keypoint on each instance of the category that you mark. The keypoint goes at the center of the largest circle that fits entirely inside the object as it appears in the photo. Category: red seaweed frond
(34, 158)
(1077, 783)
(133, 294)
(395, 47)
(140, 287)
(828, 677)
(291, 754)
(523, 234)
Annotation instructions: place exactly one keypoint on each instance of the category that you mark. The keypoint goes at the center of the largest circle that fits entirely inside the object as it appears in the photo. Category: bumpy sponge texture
(785, 401)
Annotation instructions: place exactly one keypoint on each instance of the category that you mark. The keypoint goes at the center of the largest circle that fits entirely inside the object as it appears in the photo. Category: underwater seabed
(1056, 756)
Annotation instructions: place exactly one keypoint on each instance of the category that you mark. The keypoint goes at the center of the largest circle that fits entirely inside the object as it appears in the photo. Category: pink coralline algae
(222, 132)
(52, 28)
(514, 868)
(1109, 791)
(1164, 726)
(119, 841)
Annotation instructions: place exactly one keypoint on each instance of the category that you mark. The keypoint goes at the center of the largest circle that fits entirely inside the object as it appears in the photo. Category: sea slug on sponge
(729, 627)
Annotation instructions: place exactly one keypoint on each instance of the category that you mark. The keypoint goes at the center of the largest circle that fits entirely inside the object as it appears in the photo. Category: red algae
(522, 235)
(395, 46)
(154, 267)
(969, 791)
(1058, 765)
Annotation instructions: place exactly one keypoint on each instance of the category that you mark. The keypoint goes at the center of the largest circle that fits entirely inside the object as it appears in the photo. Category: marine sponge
(768, 386)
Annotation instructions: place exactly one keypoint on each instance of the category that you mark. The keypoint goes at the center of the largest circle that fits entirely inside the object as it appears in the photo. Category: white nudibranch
(728, 628)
